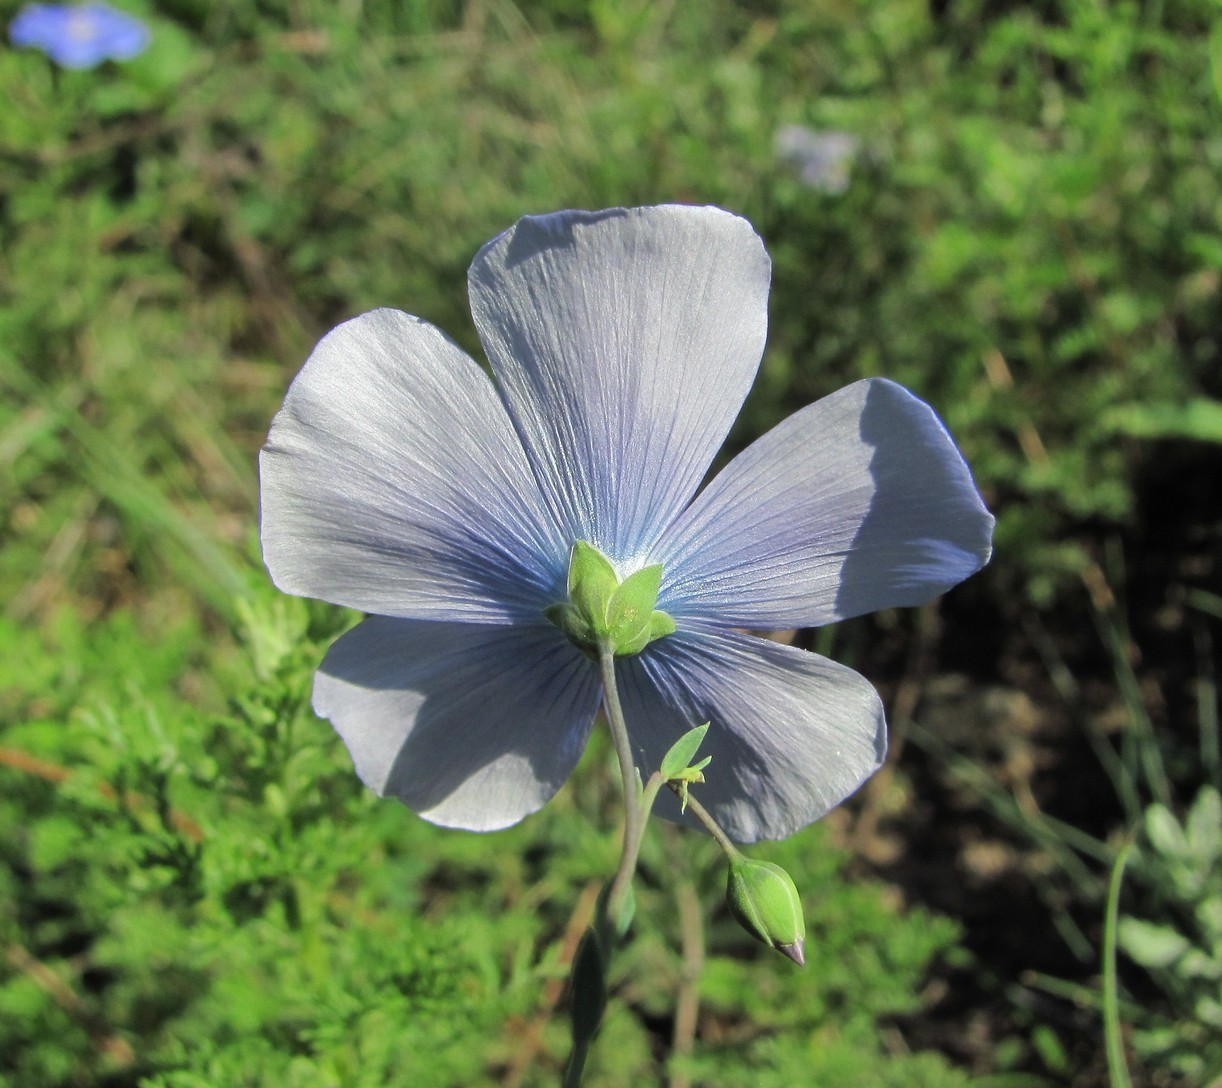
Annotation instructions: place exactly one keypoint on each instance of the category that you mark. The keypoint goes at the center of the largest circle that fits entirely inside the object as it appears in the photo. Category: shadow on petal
(926, 527)
(536, 233)
(469, 725)
(791, 734)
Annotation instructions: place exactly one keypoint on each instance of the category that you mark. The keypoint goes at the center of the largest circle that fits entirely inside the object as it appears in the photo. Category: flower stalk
(638, 801)
(711, 826)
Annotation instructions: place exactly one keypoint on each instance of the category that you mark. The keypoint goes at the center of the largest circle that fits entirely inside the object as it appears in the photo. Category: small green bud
(764, 900)
(602, 609)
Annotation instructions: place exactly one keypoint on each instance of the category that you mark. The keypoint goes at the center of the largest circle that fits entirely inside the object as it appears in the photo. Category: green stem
(636, 805)
(638, 801)
(705, 817)
(1117, 1069)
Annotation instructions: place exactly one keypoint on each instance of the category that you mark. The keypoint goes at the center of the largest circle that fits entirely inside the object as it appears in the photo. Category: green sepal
(660, 624)
(630, 612)
(765, 901)
(633, 646)
(682, 751)
(570, 620)
(592, 584)
(603, 610)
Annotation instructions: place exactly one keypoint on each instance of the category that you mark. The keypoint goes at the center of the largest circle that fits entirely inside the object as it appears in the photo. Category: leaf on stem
(680, 755)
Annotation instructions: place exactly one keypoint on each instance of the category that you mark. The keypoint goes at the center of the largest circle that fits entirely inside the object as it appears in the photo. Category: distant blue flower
(823, 159)
(79, 36)
(400, 480)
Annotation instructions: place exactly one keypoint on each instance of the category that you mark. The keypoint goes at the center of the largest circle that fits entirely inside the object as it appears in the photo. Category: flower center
(603, 611)
(82, 26)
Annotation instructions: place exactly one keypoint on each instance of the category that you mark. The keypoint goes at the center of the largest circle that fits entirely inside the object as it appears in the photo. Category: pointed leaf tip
(795, 951)
(682, 751)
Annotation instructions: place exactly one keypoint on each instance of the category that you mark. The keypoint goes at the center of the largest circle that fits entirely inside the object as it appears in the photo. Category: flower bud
(764, 900)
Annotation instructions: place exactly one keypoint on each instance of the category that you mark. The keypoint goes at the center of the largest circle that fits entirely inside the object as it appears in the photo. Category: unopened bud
(764, 900)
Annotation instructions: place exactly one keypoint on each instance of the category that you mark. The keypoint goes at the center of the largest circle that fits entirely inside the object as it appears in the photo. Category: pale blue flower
(823, 159)
(401, 480)
(79, 35)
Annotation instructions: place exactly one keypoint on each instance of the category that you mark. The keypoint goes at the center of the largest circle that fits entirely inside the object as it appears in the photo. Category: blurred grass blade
(206, 565)
(1117, 1069)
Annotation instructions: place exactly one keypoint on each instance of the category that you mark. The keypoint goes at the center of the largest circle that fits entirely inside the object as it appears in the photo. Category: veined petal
(860, 501)
(791, 734)
(624, 343)
(392, 482)
(469, 725)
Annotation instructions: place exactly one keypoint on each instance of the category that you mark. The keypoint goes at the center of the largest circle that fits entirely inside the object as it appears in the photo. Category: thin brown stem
(687, 1005)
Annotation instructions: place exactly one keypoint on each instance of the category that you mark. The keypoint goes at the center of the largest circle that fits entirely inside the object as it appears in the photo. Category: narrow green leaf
(611, 931)
(588, 995)
(1117, 1067)
(681, 752)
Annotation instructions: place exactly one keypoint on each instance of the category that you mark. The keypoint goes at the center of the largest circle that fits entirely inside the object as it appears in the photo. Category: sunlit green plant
(1179, 867)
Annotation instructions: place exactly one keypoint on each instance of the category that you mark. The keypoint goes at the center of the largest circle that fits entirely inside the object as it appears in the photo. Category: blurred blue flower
(823, 159)
(399, 479)
(79, 36)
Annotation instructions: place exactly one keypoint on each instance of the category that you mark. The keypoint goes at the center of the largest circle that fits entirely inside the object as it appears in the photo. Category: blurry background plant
(1180, 868)
(823, 160)
(79, 35)
(195, 891)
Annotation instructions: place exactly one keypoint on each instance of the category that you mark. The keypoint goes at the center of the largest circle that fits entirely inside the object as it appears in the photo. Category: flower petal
(858, 502)
(81, 35)
(791, 733)
(470, 725)
(392, 482)
(624, 343)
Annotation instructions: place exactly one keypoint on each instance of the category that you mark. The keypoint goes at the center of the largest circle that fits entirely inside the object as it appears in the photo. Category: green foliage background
(194, 890)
